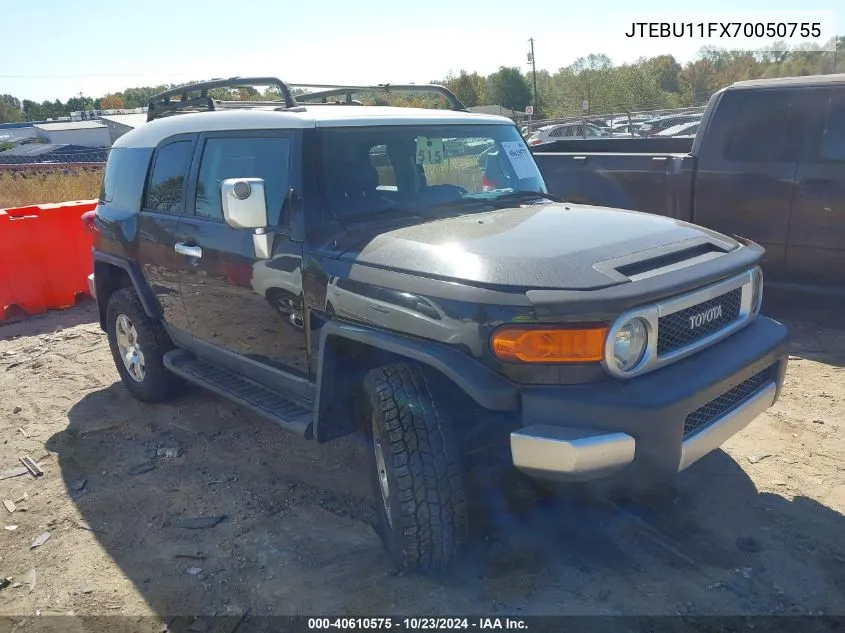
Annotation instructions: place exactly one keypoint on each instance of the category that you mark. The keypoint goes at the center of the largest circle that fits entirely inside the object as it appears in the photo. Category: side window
(265, 158)
(168, 178)
(833, 137)
(759, 132)
(110, 175)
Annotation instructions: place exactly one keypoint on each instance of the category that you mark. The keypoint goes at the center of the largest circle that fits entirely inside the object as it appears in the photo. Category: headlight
(629, 344)
(757, 291)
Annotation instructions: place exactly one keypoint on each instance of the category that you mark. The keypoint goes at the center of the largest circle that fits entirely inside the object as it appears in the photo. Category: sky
(58, 51)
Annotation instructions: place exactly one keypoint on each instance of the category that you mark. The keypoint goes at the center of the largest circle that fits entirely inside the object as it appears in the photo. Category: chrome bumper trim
(563, 453)
(92, 289)
(712, 436)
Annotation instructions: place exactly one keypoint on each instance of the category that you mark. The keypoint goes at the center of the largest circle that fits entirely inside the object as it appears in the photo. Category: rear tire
(415, 467)
(138, 344)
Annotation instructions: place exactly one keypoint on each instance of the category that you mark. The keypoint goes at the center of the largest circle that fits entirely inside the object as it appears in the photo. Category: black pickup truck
(768, 163)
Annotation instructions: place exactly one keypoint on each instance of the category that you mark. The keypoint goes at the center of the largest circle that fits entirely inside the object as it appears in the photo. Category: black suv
(337, 267)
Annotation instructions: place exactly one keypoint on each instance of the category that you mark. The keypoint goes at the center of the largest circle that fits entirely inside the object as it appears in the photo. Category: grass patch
(41, 186)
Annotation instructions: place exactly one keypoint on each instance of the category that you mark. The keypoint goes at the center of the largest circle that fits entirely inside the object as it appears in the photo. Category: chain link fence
(625, 123)
(31, 157)
(627, 117)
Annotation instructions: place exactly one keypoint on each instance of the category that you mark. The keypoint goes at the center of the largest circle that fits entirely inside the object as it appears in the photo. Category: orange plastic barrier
(45, 257)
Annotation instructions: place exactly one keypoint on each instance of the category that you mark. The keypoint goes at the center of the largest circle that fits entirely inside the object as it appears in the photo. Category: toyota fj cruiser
(337, 267)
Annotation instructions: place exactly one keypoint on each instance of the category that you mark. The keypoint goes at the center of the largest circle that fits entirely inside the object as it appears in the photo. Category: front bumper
(655, 425)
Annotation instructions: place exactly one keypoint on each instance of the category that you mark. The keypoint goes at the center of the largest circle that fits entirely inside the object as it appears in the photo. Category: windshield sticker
(520, 158)
(429, 151)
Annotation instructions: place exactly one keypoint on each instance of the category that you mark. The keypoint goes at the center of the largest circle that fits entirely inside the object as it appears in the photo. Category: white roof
(152, 133)
(70, 125)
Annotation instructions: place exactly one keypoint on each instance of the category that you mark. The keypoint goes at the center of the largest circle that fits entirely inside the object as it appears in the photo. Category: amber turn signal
(549, 345)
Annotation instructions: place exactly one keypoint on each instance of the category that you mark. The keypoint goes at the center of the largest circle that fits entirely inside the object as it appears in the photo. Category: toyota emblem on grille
(702, 318)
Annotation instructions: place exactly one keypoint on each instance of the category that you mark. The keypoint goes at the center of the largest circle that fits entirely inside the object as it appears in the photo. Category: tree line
(592, 83)
(648, 84)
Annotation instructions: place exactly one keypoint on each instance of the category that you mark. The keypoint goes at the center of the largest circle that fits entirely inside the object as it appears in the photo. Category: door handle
(190, 251)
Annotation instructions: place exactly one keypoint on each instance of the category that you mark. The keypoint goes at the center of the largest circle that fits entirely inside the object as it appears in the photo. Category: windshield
(419, 167)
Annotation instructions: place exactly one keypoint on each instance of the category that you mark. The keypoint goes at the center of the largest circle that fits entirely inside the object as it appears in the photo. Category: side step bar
(241, 390)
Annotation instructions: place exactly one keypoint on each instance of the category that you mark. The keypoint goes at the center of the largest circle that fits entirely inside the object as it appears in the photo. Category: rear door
(816, 246)
(747, 167)
(162, 210)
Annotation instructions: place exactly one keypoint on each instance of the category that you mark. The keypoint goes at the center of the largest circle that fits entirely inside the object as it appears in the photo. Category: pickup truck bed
(767, 164)
(649, 175)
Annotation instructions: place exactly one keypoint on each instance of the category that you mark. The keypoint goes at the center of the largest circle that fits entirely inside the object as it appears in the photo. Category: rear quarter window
(123, 178)
(167, 181)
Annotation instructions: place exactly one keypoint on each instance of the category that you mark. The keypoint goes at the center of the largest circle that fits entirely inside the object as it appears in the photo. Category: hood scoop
(665, 259)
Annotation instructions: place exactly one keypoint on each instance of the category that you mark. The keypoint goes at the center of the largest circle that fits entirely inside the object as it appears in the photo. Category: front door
(236, 301)
(816, 246)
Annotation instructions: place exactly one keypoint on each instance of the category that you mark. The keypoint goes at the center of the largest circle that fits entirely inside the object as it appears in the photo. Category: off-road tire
(408, 410)
(158, 384)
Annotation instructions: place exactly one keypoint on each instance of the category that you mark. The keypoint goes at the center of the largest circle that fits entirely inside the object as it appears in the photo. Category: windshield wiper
(461, 202)
(526, 195)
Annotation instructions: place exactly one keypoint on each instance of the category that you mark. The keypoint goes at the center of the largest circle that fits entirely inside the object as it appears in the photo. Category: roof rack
(329, 90)
(161, 105)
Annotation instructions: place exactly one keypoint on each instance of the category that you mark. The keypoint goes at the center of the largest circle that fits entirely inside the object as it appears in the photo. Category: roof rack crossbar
(161, 103)
(330, 90)
(162, 109)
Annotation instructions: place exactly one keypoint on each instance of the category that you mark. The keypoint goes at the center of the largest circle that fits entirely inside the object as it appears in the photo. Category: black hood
(560, 246)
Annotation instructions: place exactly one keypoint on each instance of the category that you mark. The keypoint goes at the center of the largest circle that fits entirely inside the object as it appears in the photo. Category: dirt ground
(754, 529)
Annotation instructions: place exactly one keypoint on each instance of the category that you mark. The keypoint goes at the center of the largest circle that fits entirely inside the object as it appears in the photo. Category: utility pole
(533, 72)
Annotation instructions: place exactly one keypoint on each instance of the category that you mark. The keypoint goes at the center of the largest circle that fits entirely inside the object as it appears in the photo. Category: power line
(94, 76)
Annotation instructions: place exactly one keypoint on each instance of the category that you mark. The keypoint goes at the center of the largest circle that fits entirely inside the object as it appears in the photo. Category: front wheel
(415, 467)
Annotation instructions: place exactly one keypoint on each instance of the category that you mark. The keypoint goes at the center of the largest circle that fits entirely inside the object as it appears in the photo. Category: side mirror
(244, 203)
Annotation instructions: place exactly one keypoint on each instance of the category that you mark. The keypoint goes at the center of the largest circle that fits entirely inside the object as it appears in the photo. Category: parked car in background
(767, 163)
(625, 129)
(684, 129)
(654, 126)
(560, 131)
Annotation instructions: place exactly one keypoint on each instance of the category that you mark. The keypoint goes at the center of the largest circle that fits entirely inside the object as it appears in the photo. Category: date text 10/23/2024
(417, 624)
(724, 30)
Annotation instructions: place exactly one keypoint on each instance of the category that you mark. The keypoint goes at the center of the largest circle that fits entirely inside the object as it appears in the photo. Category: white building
(86, 133)
(120, 124)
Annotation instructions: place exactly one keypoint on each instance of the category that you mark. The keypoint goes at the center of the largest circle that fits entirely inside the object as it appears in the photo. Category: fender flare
(136, 278)
(487, 388)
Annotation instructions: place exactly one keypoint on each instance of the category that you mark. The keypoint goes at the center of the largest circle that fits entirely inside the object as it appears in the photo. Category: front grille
(675, 331)
(718, 407)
